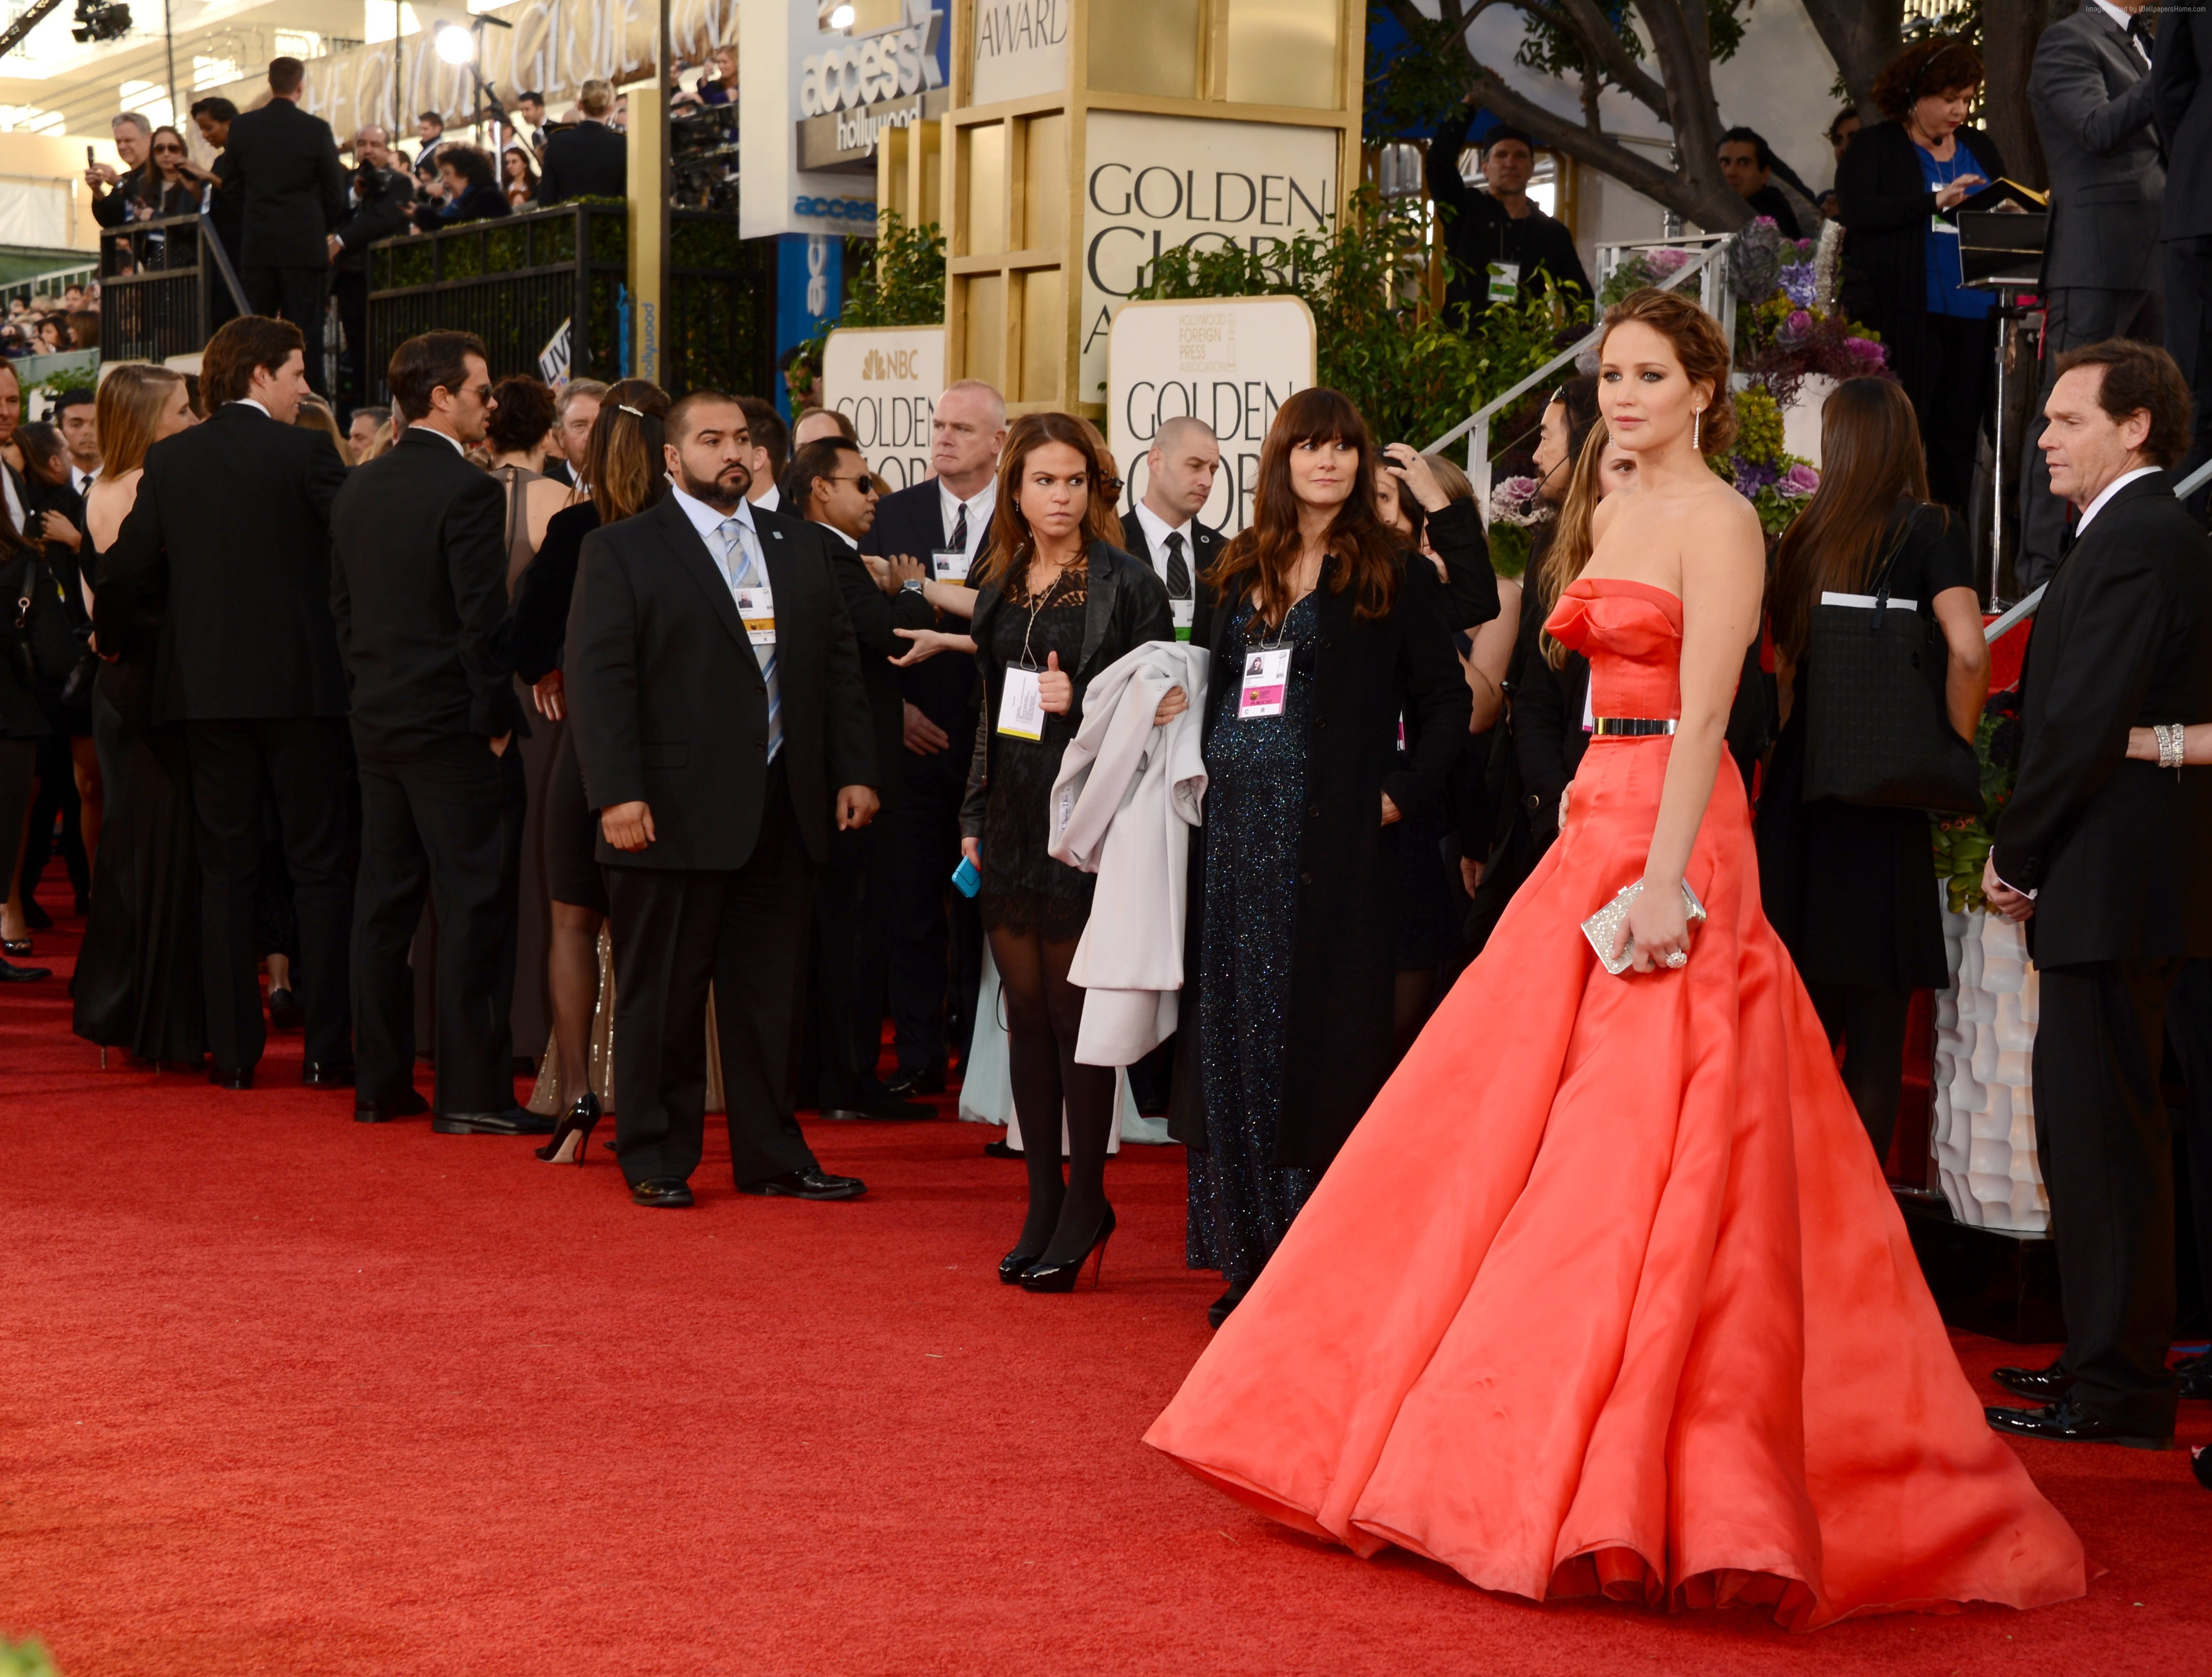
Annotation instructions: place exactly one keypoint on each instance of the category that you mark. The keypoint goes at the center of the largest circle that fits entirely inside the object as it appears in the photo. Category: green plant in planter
(413, 262)
(506, 248)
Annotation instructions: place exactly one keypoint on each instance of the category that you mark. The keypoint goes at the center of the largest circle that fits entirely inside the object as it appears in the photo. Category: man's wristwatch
(912, 585)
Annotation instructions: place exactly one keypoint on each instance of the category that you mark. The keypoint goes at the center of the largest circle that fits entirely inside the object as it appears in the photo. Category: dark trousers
(19, 773)
(2188, 305)
(306, 763)
(674, 932)
(2072, 316)
(1950, 391)
(1869, 1022)
(2189, 1028)
(851, 936)
(936, 937)
(436, 824)
(296, 294)
(55, 821)
(350, 288)
(2106, 1146)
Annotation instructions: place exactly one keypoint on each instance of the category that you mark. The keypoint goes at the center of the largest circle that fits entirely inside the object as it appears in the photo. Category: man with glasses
(112, 194)
(828, 484)
(418, 580)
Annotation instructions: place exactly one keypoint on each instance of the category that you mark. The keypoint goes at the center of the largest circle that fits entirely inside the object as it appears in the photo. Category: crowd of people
(52, 323)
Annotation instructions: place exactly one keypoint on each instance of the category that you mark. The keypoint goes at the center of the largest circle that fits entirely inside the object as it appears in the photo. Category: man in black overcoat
(286, 163)
(229, 542)
(723, 732)
(2103, 856)
(377, 200)
(418, 580)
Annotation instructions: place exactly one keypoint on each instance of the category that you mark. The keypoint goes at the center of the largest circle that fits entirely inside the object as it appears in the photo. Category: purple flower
(1665, 262)
(1866, 350)
(1798, 285)
(1751, 477)
(1799, 481)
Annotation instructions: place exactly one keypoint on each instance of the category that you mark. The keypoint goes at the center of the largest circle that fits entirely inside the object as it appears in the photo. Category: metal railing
(1709, 268)
(165, 285)
(514, 282)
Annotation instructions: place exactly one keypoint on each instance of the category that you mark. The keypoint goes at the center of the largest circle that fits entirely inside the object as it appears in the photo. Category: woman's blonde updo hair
(1698, 343)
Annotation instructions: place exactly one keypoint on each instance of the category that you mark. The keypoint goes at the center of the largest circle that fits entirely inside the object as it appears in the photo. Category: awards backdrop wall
(887, 379)
(1230, 362)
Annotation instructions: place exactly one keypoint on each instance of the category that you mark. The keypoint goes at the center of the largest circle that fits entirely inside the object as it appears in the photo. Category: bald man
(1179, 471)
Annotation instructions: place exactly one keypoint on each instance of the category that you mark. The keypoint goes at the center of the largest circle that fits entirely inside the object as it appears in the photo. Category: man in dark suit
(590, 160)
(2090, 94)
(716, 704)
(2103, 856)
(113, 194)
(830, 484)
(286, 164)
(418, 579)
(2181, 105)
(941, 523)
(377, 200)
(231, 529)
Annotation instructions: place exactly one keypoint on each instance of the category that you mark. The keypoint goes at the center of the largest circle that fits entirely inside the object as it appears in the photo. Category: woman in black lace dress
(1057, 602)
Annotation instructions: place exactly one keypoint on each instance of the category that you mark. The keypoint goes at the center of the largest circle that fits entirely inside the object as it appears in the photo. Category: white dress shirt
(2110, 490)
(81, 480)
(769, 499)
(708, 522)
(1158, 530)
(2125, 21)
(980, 507)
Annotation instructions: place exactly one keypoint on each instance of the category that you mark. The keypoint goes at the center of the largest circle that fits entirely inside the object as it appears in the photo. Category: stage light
(99, 20)
(841, 18)
(456, 43)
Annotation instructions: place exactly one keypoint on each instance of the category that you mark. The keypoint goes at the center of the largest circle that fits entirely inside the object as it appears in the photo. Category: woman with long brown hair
(624, 474)
(1057, 602)
(1325, 628)
(138, 972)
(1852, 887)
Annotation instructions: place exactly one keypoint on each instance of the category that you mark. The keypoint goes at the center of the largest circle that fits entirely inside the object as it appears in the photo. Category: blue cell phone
(965, 879)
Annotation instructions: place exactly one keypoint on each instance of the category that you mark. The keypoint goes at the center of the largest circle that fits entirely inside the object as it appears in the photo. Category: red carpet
(283, 1393)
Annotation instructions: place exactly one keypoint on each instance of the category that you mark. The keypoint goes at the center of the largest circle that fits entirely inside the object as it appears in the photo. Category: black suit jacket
(2183, 111)
(295, 190)
(588, 160)
(876, 615)
(942, 688)
(2116, 848)
(378, 202)
(231, 529)
(1205, 546)
(666, 701)
(418, 582)
(112, 208)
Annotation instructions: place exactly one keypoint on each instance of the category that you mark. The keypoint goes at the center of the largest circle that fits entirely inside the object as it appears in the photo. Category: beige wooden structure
(1086, 135)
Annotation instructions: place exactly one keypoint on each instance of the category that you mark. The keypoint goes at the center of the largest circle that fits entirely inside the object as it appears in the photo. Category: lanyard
(1029, 658)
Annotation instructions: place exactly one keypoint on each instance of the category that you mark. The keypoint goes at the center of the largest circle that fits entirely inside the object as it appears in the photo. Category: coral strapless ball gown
(1606, 1293)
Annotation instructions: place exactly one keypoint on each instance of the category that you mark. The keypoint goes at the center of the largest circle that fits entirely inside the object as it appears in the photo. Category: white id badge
(1183, 611)
(1504, 280)
(1266, 674)
(1938, 226)
(1021, 711)
(949, 564)
(756, 605)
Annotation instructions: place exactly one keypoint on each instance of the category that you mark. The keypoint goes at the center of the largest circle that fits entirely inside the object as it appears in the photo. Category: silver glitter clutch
(1604, 926)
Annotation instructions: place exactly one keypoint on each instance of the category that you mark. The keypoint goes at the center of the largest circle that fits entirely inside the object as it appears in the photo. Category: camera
(100, 20)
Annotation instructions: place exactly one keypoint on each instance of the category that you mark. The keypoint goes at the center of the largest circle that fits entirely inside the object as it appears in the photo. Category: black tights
(1869, 1022)
(1044, 1012)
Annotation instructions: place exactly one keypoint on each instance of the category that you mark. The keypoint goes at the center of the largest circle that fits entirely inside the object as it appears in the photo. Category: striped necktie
(741, 562)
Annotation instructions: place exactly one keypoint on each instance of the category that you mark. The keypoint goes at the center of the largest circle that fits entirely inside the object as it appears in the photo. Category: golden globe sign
(1230, 362)
(886, 380)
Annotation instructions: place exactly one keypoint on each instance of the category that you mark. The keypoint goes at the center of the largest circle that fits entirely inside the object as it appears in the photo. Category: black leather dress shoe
(2067, 1423)
(330, 1074)
(2200, 1461)
(2044, 1385)
(808, 1185)
(514, 1121)
(222, 1079)
(409, 1105)
(906, 1085)
(1220, 1310)
(670, 1190)
(2195, 1374)
(11, 973)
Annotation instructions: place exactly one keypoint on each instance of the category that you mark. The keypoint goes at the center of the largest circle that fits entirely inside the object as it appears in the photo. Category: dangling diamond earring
(1697, 425)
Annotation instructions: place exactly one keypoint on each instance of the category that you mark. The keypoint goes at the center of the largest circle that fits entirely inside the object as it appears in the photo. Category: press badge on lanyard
(1266, 674)
(756, 605)
(1504, 280)
(949, 564)
(1021, 710)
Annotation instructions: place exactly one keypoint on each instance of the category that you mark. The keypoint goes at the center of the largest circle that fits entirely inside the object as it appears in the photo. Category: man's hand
(856, 807)
(55, 527)
(1173, 705)
(1390, 812)
(499, 745)
(99, 174)
(552, 696)
(627, 826)
(899, 569)
(924, 738)
(2015, 906)
(338, 247)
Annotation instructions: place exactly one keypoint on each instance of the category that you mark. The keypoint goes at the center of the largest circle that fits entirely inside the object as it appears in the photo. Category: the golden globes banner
(886, 380)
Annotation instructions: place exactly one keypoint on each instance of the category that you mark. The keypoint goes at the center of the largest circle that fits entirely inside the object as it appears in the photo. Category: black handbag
(1878, 731)
(19, 599)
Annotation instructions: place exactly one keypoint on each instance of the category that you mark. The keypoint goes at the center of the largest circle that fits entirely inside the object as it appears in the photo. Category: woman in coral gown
(1617, 1301)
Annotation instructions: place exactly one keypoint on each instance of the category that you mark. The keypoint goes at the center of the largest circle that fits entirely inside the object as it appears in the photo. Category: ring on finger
(1679, 958)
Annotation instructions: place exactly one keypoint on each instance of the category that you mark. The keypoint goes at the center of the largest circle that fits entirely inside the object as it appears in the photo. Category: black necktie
(960, 528)
(1178, 568)
(2140, 34)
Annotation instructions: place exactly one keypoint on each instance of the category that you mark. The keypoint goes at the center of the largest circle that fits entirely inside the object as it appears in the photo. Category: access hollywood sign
(850, 92)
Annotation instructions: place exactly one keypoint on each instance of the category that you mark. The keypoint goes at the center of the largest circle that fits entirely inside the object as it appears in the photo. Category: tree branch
(1601, 45)
(1692, 112)
(1861, 36)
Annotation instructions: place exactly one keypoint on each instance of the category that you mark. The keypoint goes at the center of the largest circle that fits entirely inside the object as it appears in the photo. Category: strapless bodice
(1632, 633)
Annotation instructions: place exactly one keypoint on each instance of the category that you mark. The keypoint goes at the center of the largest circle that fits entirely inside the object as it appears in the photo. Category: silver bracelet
(2170, 741)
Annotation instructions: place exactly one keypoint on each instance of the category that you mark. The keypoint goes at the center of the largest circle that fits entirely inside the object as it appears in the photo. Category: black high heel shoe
(1015, 1265)
(573, 1132)
(1061, 1278)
